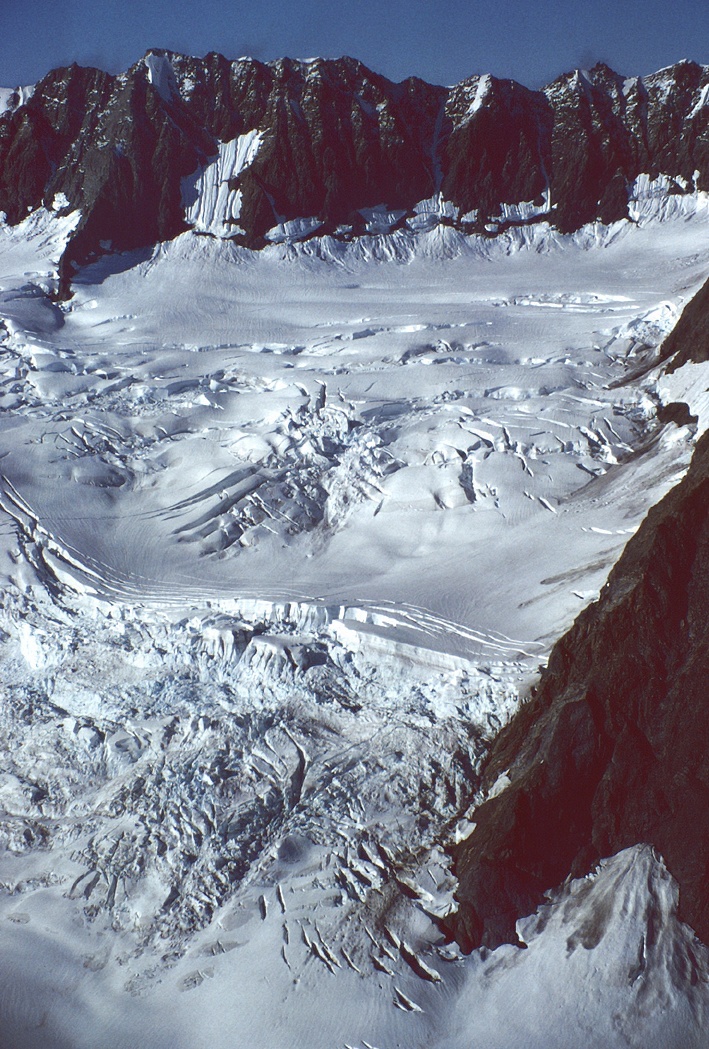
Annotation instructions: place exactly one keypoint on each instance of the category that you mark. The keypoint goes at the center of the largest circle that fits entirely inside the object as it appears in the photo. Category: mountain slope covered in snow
(334, 148)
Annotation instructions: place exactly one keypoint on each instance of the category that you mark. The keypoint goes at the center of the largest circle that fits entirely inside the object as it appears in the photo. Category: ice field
(285, 538)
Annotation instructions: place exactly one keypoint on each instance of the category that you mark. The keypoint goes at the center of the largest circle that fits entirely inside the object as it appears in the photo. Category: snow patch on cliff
(161, 75)
(213, 198)
(665, 197)
(11, 98)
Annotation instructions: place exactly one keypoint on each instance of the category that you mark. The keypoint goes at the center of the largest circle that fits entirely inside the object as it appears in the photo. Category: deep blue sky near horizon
(441, 41)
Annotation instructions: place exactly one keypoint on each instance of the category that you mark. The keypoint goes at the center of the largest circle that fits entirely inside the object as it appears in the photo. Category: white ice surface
(14, 97)
(524, 211)
(664, 197)
(284, 538)
(352, 434)
(380, 219)
(293, 230)
(161, 75)
(429, 213)
(688, 385)
(212, 197)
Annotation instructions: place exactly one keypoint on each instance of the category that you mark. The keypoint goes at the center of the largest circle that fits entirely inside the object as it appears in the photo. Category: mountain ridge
(341, 150)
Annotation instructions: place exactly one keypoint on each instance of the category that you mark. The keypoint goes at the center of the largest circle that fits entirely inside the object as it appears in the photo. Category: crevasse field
(285, 539)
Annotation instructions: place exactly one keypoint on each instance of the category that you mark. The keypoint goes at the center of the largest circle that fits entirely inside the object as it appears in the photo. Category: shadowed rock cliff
(613, 749)
(336, 139)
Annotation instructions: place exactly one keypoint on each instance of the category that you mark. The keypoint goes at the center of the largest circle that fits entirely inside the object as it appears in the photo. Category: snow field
(284, 540)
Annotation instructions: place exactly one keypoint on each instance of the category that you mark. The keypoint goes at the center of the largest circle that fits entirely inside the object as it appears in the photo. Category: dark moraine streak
(613, 749)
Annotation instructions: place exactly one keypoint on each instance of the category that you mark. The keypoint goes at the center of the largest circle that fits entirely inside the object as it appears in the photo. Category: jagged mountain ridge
(611, 751)
(333, 139)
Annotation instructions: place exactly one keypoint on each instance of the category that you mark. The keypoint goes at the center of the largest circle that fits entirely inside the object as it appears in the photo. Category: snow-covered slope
(285, 537)
(349, 435)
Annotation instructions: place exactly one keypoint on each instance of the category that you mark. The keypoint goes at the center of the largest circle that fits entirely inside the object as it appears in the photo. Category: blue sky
(440, 40)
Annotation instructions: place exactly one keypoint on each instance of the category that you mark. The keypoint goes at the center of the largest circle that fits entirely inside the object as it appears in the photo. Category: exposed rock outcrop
(613, 749)
(336, 139)
(689, 339)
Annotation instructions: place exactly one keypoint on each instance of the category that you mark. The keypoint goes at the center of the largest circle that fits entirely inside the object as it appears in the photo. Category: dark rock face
(595, 147)
(613, 748)
(337, 138)
(689, 339)
(498, 149)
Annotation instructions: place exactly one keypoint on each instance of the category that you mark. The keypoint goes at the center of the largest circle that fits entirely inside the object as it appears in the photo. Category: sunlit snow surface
(284, 538)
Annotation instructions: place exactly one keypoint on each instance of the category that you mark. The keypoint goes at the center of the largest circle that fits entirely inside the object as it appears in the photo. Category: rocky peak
(498, 148)
(336, 140)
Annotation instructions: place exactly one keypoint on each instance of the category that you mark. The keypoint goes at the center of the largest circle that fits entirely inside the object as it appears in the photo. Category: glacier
(286, 538)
